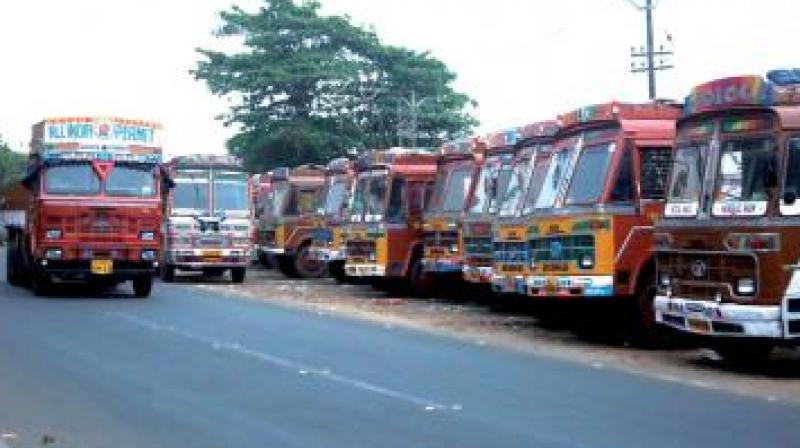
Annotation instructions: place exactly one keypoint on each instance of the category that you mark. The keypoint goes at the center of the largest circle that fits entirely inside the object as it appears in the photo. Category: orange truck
(510, 227)
(92, 208)
(287, 227)
(490, 186)
(459, 165)
(328, 241)
(728, 244)
(209, 225)
(592, 233)
(384, 236)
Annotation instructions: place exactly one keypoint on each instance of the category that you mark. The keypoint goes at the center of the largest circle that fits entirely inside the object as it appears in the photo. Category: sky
(521, 60)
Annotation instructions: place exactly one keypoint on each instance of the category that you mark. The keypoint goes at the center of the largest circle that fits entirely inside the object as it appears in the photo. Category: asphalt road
(186, 368)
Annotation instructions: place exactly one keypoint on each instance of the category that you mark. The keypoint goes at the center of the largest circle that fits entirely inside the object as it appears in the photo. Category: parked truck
(209, 219)
(287, 226)
(459, 166)
(593, 234)
(92, 208)
(384, 236)
(483, 205)
(728, 244)
(328, 239)
(510, 227)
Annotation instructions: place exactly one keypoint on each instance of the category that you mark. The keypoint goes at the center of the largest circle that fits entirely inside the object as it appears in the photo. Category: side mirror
(789, 197)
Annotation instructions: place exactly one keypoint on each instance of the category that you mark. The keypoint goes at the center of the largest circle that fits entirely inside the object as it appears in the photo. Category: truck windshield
(556, 176)
(132, 181)
(72, 179)
(457, 189)
(590, 174)
(492, 183)
(230, 192)
(368, 200)
(335, 196)
(742, 180)
(278, 197)
(535, 186)
(518, 181)
(683, 195)
(191, 191)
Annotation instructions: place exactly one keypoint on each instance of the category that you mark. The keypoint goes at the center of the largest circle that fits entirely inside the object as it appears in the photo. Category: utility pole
(413, 105)
(649, 53)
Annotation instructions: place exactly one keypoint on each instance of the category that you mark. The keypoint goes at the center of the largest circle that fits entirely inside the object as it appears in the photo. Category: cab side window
(396, 212)
(623, 190)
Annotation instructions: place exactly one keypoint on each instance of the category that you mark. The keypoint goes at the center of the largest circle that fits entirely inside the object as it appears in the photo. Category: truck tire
(644, 330)
(336, 271)
(168, 273)
(12, 266)
(238, 275)
(266, 260)
(420, 282)
(142, 286)
(40, 284)
(285, 264)
(305, 265)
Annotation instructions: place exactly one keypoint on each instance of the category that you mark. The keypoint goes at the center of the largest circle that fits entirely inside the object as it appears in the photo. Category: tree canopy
(306, 88)
(12, 165)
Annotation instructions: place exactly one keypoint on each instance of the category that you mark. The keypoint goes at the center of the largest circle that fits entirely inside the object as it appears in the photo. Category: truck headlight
(586, 261)
(149, 254)
(664, 280)
(53, 234)
(53, 254)
(745, 286)
(147, 235)
(454, 248)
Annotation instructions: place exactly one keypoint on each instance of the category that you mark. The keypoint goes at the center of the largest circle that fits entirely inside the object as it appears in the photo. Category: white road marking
(302, 369)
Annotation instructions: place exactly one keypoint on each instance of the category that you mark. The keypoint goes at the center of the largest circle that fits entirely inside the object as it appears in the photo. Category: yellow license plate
(102, 267)
(699, 325)
(212, 253)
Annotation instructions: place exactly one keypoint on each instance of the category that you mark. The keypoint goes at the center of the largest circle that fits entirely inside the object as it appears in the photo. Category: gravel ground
(577, 332)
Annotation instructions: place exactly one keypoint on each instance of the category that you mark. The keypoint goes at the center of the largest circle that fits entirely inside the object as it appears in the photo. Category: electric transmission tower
(644, 58)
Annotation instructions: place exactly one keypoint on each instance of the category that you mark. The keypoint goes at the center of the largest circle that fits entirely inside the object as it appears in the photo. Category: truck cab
(208, 227)
(510, 227)
(93, 207)
(727, 244)
(490, 186)
(384, 236)
(592, 232)
(328, 242)
(459, 165)
(290, 220)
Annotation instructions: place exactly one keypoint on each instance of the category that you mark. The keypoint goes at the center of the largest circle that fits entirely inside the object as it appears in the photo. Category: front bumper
(327, 255)
(200, 258)
(80, 270)
(478, 274)
(442, 265)
(364, 270)
(571, 286)
(508, 284)
(272, 250)
(719, 319)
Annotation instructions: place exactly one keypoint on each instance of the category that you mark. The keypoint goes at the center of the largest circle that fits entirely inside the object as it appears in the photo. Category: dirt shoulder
(556, 330)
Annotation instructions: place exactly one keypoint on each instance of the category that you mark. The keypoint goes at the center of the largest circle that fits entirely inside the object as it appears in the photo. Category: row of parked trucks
(99, 206)
(686, 213)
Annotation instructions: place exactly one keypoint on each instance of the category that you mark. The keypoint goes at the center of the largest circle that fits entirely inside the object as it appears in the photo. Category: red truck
(93, 208)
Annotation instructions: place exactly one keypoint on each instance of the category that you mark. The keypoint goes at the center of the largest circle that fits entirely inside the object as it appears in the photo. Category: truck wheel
(645, 331)
(266, 260)
(743, 352)
(142, 286)
(40, 284)
(12, 267)
(306, 265)
(168, 273)
(336, 270)
(421, 283)
(286, 266)
(238, 274)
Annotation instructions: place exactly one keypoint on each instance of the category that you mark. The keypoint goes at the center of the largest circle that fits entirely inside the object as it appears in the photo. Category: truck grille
(478, 245)
(360, 249)
(705, 274)
(515, 252)
(267, 237)
(562, 248)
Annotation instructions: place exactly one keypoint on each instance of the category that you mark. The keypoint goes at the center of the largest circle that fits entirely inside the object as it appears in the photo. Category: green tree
(305, 87)
(12, 165)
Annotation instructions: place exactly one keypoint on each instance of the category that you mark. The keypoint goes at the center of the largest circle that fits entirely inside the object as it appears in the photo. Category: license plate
(102, 267)
(699, 325)
(212, 253)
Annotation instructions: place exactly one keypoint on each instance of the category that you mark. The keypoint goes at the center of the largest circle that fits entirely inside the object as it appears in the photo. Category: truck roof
(205, 161)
